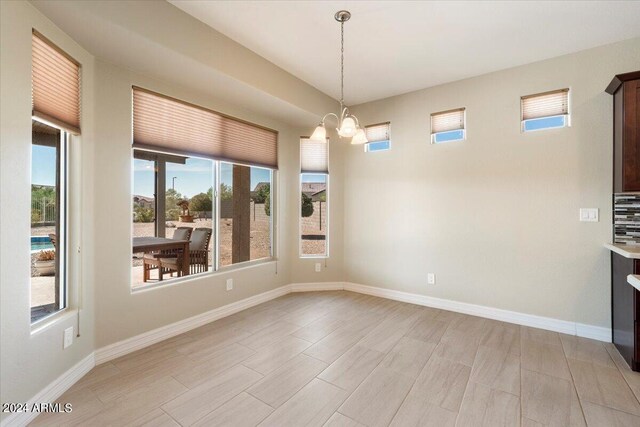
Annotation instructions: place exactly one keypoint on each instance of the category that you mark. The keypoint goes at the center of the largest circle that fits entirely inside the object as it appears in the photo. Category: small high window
(448, 126)
(546, 110)
(378, 136)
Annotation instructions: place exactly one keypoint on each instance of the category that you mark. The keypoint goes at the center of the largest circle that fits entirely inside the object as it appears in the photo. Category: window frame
(327, 218)
(216, 267)
(63, 159)
(433, 135)
(567, 117)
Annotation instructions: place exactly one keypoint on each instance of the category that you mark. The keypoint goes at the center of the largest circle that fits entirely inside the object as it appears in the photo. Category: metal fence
(43, 210)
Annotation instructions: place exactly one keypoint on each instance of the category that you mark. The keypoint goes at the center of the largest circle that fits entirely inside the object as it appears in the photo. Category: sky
(43, 160)
(196, 176)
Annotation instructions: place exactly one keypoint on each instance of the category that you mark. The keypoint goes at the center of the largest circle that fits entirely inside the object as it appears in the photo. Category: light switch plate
(589, 215)
(229, 284)
(68, 337)
(318, 267)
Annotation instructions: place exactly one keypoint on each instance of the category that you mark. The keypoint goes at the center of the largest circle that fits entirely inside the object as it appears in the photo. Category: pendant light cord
(341, 64)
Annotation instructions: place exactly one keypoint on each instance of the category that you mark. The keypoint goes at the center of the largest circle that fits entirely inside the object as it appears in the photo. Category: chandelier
(348, 126)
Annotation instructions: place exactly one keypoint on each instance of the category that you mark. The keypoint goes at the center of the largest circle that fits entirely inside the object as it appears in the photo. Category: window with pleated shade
(378, 136)
(545, 110)
(448, 126)
(177, 127)
(55, 85)
(314, 198)
(314, 156)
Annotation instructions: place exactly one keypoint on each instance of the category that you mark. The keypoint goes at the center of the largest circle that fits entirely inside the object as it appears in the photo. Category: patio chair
(152, 260)
(198, 254)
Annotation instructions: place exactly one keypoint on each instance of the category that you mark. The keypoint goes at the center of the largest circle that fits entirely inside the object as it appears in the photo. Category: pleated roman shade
(445, 121)
(177, 127)
(314, 156)
(547, 104)
(378, 132)
(55, 84)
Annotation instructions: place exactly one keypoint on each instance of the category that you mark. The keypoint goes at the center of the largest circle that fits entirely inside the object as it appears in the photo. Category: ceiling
(394, 47)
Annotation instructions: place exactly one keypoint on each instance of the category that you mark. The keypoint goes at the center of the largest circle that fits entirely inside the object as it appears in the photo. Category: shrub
(142, 214)
(307, 206)
(201, 203)
(46, 255)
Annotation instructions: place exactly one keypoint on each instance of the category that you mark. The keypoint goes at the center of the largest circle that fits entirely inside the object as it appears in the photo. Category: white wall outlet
(229, 284)
(431, 279)
(318, 267)
(68, 337)
(589, 215)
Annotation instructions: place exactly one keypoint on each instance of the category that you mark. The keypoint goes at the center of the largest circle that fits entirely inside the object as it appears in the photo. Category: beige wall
(119, 313)
(495, 217)
(30, 361)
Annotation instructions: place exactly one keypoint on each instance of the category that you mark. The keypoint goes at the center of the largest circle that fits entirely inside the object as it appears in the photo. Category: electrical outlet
(318, 267)
(431, 279)
(68, 337)
(229, 284)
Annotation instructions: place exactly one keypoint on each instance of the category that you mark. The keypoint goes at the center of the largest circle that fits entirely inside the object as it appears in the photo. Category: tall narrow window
(48, 220)
(545, 110)
(448, 126)
(55, 88)
(202, 192)
(378, 136)
(314, 183)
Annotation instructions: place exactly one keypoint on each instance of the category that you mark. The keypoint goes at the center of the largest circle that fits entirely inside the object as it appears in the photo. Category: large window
(314, 192)
(546, 110)
(48, 220)
(202, 189)
(228, 204)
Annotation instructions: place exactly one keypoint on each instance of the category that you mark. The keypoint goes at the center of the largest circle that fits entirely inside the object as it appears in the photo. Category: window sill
(192, 277)
(46, 322)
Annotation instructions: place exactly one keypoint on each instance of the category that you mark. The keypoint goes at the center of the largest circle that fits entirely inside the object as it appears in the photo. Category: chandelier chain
(341, 63)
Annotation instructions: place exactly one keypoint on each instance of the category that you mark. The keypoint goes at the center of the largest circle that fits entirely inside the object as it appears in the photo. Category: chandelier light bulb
(359, 138)
(319, 134)
(348, 128)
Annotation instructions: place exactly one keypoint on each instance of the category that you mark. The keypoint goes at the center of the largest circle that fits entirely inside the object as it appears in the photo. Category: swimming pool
(40, 243)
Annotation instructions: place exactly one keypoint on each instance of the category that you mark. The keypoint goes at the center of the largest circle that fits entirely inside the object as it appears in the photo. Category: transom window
(448, 126)
(546, 110)
(378, 136)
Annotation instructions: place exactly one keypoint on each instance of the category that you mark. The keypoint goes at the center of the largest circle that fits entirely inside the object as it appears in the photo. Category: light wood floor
(345, 359)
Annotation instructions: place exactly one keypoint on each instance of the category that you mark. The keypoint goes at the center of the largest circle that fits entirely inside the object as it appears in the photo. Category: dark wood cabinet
(625, 309)
(625, 89)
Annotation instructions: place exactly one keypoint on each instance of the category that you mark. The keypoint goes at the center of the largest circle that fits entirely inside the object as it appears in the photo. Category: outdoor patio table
(154, 244)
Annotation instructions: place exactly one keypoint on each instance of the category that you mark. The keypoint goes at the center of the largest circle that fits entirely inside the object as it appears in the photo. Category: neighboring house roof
(260, 185)
(311, 188)
(143, 199)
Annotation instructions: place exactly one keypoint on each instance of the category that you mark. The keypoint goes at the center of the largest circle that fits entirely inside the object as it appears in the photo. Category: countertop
(627, 251)
(634, 280)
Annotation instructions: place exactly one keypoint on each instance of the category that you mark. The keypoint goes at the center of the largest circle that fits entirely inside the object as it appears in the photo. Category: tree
(226, 192)
(307, 206)
(262, 194)
(201, 203)
(172, 197)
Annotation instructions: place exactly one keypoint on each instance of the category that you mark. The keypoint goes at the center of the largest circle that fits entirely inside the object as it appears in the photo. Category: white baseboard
(566, 327)
(146, 339)
(51, 392)
(318, 286)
